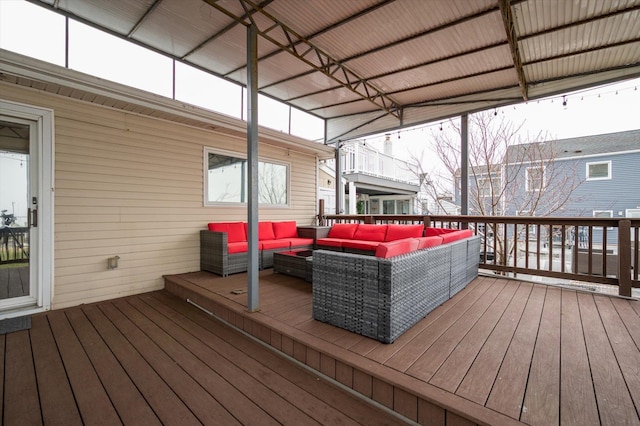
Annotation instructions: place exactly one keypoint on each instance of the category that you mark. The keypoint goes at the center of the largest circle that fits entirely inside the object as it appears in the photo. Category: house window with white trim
(632, 213)
(603, 213)
(599, 171)
(226, 177)
(534, 178)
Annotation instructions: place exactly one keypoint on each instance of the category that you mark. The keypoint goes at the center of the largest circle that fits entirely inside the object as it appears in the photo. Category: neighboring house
(606, 168)
(589, 176)
(373, 182)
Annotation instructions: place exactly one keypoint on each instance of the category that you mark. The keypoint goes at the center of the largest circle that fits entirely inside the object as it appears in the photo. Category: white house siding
(132, 186)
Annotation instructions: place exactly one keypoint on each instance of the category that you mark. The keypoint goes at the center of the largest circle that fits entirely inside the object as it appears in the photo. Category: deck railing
(14, 245)
(597, 250)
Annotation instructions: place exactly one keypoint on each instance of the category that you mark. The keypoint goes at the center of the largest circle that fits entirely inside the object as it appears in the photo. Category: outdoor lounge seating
(224, 246)
(383, 296)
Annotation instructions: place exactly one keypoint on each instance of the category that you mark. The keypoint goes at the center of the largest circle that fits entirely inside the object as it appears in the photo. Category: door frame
(44, 165)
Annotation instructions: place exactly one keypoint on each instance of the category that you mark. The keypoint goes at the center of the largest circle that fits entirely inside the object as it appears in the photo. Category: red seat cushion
(426, 242)
(330, 242)
(274, 244)
(398, 232)
(343, 230)
(396, 248)
(285, 229)
(240, 247)
(235, 230)
(295, 242)
(368, 232)
(361, 245)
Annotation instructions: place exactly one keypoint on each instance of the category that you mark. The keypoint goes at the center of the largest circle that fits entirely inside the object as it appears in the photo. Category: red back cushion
(285, 229)
(396, 248)
(370, 232)
(398, 232)
(235, 230)
(265, 231)
(457, 235)
(426, 242)
(343, 230)
(429, 232)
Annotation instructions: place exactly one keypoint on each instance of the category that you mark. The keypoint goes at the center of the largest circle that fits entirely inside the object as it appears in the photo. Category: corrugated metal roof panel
(532, 17)
(491, 59)
(441, 44)
(308, 17)
(330, 97)
(576, 64)
(447, 90)
(578, 38)
(162, 28)
(396, 21)
(117, 15)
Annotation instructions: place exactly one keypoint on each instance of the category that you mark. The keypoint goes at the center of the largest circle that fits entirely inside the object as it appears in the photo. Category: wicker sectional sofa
(382, 297)
(224, 247)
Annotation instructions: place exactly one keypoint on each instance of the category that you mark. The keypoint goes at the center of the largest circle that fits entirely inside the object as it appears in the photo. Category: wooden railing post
(624, 258)
(321, 212)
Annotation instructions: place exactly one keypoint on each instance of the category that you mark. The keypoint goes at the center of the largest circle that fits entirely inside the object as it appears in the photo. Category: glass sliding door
(18, 209)
(26, 207)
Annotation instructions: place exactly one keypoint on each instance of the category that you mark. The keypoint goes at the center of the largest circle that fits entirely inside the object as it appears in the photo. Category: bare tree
(508, 174)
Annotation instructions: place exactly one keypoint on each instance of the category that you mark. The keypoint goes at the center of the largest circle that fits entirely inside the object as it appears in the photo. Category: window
(226, 180)
(603, 213)
(488, 187)
(388, 207)
(599, 171)
(535, 178)
(632, 213)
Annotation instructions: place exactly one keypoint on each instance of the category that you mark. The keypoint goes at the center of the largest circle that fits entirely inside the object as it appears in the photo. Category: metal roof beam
(512, 37)
(325, 29)
(329, 66)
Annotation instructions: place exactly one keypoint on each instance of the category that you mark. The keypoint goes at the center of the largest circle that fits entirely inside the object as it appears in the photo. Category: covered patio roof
(371, 66)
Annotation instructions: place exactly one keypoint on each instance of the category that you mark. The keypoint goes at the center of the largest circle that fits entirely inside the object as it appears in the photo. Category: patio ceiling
(369, 66)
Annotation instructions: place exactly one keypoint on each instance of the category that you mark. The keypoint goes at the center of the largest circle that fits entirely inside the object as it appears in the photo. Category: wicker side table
(297, 263)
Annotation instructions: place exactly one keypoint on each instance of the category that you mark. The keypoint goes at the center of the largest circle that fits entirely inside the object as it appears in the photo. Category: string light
(440, 126)
(564, 101)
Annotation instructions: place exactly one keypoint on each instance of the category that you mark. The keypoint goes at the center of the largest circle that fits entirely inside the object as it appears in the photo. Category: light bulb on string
(564, 101)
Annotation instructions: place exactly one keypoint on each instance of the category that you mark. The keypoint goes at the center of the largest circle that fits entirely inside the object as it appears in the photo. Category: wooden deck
(154, 359)
(500, 352)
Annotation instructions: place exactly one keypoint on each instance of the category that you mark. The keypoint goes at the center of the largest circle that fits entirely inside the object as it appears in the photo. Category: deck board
(154, 359)
(614, 402)
(59, 406)
(478, 381)
(542, 396)
(577, 398)
(21, 405)
(500, 352)
(508, 390)
(453, 370)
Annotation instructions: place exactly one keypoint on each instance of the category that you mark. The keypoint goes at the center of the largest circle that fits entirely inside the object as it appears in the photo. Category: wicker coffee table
(297, 263)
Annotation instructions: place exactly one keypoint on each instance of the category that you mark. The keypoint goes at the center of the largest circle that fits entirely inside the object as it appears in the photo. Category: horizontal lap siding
(132, 186)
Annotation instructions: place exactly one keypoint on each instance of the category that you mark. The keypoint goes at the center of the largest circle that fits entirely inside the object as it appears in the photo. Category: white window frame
(526, 181)
(610, 212)
(205, 164)
(608, 177)
(632, 213)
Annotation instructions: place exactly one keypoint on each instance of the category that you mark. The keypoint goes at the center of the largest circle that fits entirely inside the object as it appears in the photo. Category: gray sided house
(589, 176)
